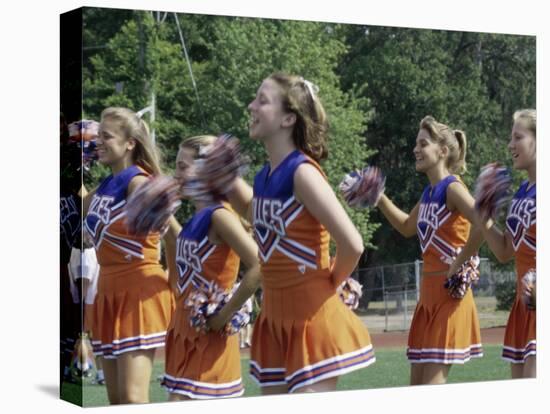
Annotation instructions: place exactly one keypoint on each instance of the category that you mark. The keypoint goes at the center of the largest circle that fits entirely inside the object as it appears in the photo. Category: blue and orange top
(117, 249)
(199, 260)
(293, 245)
(441, 232)
(521, 223)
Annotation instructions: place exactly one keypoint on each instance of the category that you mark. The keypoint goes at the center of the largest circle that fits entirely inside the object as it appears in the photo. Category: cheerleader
(444, 330)
(201, 364)
(519, 240)
(70, 228)
(134, 303)
(304, 337)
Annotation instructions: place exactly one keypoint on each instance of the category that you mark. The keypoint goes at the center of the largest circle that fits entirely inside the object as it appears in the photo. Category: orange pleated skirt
(444, 330)
(132, 311)
(201, 365)
(305, 334)
(520, 336)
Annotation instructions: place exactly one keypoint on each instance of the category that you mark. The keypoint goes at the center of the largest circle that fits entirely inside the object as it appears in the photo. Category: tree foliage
(470, 81)
(229, 59)
(376, 84)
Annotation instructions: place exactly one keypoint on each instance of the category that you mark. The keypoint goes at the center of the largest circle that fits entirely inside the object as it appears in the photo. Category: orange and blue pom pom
(150, 206)
(459, 283)
(363, 188)
(207, 300)
(350, 291)
(492, 190)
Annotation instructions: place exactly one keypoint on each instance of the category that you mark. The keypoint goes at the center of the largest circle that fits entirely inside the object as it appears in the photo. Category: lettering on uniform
(267, 214)
(428, 214)
(522, 209)
(186, 253)
(101, 207)
(68, 208)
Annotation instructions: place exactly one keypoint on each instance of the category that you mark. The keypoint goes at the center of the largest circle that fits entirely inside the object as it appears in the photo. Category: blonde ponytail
(455, 141)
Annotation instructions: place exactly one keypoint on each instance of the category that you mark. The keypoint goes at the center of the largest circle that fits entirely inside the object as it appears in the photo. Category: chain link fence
(391, 292)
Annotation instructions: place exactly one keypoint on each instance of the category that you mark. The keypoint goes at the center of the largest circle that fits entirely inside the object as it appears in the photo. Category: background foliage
(376, 83)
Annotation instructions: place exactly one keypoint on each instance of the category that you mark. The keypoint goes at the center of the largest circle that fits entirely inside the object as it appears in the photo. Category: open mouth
(252, 121)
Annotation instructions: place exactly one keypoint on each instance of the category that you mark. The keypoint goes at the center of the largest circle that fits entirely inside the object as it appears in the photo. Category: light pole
(151, 110)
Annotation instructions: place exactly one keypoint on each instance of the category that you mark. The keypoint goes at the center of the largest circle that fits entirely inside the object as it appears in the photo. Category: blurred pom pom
(239, 320)
(205, 301)
(216, 169)
(363, 188)
(84, 130)
(350, 292)
(492, 190)
(150, 206)
(459, 282)
(529, 285)
(196, 188)
(84, 134)
(82, 359)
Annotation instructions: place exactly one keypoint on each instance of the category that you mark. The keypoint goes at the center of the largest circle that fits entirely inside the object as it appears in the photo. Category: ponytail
(454, 140)
(459, 166)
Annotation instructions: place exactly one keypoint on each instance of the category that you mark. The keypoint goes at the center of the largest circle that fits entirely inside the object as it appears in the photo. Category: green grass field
(390, 370)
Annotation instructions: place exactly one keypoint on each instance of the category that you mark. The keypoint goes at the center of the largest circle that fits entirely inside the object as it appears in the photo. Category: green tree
(229, 59)
(458, 77)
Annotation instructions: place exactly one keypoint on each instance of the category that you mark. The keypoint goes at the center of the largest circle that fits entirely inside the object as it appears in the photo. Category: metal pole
(384, 294)
(417, 278)
(385, 312)
(182, 40)
(405, 309)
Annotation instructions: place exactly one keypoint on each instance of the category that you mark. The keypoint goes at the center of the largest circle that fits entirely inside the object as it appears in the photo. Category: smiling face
(427, 153)
(112, 146)
(266, 111)
(522, 146)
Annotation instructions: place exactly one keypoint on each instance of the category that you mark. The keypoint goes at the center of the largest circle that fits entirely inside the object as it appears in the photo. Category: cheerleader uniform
(520, 339)
(71, 310)
(202, 365)
(304, 333)
(133, 304)
(443, 330)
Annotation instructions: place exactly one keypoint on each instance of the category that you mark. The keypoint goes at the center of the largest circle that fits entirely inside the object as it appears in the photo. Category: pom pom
(197, 189)
(216, 169)
(492, 190)
(83, 134)
(84, 130)
(363, 188)
(150, 206)
(529, 285)
(239, 320)
(207, 300)
(459, 282)
(350, 292)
